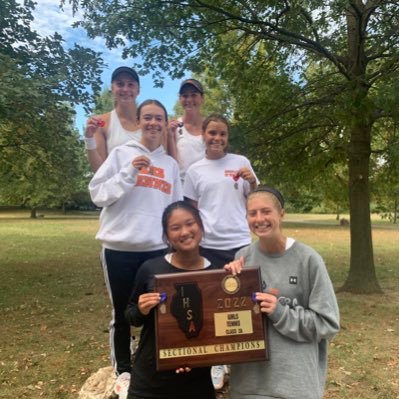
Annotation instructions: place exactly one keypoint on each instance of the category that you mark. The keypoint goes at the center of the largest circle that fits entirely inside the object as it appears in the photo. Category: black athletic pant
(120, 270)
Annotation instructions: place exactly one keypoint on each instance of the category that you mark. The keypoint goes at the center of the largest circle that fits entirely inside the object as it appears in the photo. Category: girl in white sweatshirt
(133, 186)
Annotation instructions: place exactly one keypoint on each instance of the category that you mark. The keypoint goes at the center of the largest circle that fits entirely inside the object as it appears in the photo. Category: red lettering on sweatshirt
(153, 171)
(153, 182)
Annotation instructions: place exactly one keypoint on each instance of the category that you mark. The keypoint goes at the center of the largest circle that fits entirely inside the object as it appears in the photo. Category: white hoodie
(133, 201)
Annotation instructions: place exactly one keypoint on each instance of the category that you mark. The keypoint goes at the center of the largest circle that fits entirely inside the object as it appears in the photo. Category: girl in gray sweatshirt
(299, 304)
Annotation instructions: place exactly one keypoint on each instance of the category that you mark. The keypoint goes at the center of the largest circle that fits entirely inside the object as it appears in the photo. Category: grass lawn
(55, 310)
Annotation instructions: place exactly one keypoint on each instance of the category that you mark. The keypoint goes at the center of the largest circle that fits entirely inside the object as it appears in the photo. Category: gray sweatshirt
(306, 316)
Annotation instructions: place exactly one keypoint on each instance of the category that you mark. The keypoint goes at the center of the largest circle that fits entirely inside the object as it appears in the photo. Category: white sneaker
(217, 373)
(122, 385)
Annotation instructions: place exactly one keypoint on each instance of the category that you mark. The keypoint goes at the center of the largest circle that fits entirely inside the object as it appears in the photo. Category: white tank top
(117, 135)
(190, 149)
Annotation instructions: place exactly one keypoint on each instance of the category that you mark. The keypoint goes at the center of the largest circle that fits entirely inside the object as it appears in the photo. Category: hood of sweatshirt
(158, 151)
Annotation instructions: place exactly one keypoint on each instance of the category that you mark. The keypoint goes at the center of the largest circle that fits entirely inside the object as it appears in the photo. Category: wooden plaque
(207, 318)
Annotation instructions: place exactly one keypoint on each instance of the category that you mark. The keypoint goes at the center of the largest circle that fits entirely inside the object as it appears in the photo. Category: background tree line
(313, 87)
(311, 90)
(41, 155)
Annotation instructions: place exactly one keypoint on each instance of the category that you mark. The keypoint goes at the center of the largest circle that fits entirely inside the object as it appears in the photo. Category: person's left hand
(268, 300)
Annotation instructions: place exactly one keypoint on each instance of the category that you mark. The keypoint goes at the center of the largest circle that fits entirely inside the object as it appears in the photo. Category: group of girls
(139, 186)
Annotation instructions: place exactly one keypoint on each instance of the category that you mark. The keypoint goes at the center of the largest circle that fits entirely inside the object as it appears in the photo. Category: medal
(235, 178)
(256, 307)
(180, 125)
(162, 300)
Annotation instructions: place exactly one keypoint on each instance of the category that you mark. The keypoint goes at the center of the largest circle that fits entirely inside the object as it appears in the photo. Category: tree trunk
(33, 213)
(362, 277)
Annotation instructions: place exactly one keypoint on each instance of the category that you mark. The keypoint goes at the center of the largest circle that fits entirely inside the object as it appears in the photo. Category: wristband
(252, 182)
(90, 143)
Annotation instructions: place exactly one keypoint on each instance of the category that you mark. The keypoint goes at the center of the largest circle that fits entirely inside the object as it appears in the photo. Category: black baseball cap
(125, 69)
(191, 82)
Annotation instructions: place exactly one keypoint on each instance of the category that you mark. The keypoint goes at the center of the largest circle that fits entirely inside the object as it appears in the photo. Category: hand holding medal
(245, 174)
(141, 162)
(148, 301)
(235, 178)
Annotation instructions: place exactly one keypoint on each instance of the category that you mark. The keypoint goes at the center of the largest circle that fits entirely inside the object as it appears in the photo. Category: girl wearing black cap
(107, 131)
(185, 142)
(300, 304)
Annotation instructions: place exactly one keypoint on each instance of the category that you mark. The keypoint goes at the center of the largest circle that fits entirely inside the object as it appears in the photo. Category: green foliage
(310, 83)
(67, 72)
(104, 102)
(41, 156)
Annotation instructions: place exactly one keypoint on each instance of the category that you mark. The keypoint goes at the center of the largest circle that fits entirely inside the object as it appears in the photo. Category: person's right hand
(141, 162)
(148, 301)
(173, 125)
(183, 370)
(92, 125)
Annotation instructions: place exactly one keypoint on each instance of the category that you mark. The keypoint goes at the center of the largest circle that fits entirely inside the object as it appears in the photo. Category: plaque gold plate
(207, 318)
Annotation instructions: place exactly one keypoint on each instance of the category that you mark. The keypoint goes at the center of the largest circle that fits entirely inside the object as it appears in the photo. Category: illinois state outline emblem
(186, 307)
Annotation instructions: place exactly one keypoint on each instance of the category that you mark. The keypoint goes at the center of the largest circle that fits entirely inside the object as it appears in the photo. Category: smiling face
(216, 138)
(183, 231)
(152, 122)
(125, 89)
(264, 215)
(191, 99)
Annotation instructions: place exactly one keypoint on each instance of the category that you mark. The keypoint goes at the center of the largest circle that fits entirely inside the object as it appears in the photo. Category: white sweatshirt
(133, 201)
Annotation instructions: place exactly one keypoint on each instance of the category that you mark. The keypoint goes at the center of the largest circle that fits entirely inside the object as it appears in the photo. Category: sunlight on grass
(54, 304)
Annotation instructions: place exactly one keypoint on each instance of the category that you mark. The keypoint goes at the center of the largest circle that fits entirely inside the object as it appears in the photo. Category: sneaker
(122, 385)
(217, 373)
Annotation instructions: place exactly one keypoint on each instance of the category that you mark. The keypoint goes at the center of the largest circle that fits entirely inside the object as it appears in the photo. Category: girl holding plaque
(300, 304)
(183, 231)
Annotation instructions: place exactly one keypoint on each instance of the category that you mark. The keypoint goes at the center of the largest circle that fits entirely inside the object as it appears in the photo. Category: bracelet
(252, 182)
(90, 143)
